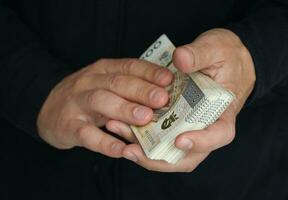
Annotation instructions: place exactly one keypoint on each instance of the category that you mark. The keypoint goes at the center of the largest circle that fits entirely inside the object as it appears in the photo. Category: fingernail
(131, 156)
(140, 112)
(185, 144)
(155, 95)
(117, 148)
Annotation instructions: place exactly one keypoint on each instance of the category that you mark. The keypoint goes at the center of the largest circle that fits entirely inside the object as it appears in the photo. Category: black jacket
(43, 41)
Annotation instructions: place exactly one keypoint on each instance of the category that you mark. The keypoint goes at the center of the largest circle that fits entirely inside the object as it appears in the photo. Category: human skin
(121, 89)
(108, 93)
(220, 54)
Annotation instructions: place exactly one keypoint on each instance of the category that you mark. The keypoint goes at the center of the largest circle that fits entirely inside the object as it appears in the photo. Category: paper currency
(195, 102)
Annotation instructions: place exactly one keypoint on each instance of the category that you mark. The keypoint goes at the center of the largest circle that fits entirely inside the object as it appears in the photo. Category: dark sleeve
(265, 33)
(27, 72)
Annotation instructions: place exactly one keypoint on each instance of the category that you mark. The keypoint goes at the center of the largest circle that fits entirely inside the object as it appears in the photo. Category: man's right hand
(110, 92)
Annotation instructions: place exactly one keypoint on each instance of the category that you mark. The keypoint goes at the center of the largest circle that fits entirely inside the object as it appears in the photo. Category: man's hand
(220, 54)
(111, 92)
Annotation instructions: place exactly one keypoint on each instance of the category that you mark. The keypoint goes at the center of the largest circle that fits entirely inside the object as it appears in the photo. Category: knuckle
(81, 82)
(109, 125)
(83, 138)
(211, 36)
(99, 145)
(100, 65)
(124, 108)
(81, 133)
(114, 81)
(143, 93)
(103, 62)
(92, 97)
(128, 65)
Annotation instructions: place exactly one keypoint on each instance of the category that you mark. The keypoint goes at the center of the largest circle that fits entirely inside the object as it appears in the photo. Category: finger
(219, 134)
(191, 161)
(140, 68)
(121, 129)
(198, 55)
(89, 136)
(115, 107)
(134, 153)
(133, 88)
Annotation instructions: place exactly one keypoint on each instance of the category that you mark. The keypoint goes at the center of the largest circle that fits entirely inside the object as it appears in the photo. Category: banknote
(195, 102)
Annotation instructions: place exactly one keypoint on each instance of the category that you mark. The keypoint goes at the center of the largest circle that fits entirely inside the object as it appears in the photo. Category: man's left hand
(220, 54)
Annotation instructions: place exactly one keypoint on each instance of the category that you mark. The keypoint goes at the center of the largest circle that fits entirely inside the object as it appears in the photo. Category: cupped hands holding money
(220, 54)
(120, 89)
(119, 92)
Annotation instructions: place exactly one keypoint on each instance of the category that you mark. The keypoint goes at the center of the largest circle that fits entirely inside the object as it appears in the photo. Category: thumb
(196, 56)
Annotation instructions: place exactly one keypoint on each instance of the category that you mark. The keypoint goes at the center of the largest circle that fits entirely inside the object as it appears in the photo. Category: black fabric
(254, 166)
(264, 32)
(43, 41)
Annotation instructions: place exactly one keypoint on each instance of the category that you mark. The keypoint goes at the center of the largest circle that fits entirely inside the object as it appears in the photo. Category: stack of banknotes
(195, 102)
